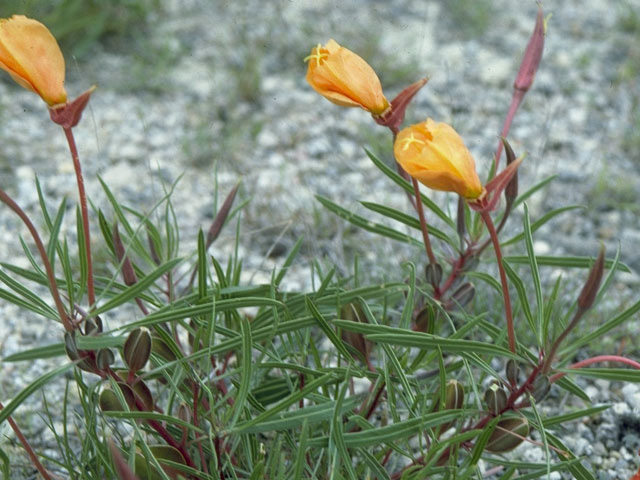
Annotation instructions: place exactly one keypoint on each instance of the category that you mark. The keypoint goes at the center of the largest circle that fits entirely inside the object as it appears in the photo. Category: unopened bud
(184, 413)
(508, 434)
(540, 387)
(425, 319)
(512, 371)
(137, 349)
(453, 395)
(511, 190)
(353, 312)
(433, 273)
(128, 273)
(104, 358)
(93, 326)
(532, 55)
(591, 286)
(463, 295)
(496, 399)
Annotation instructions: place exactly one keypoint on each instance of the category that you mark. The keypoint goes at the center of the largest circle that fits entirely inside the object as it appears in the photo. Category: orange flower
(344, 78)
(32, 57)
(435, 155)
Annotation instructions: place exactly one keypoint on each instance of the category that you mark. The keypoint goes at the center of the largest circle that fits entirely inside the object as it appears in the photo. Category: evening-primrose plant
(215, 378)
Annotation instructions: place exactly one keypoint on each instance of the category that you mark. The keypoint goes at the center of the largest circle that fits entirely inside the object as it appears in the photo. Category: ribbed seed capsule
(540, 387)
(433, 273)
(496, 399)
(512, 370)
(137, 349)
(508, 434)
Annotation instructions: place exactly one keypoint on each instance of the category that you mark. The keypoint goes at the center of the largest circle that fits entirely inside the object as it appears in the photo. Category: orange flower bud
(344, 78)
(30, 54)
(435, 155)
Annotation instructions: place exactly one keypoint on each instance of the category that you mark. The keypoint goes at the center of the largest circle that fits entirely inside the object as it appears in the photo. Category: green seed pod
(453, 395)
(160, 347)
(540, 387)
(184, 413)
(70, 345)
(508, 434)
(496, 399)
(104, 358)
(425, 319)
(137, 349)
(109, 400)
(463, 295)
(512, 370)
(353, 312)
(433, 273)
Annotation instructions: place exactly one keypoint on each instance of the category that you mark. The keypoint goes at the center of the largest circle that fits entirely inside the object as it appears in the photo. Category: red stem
(423, 222)
(516, 99)
(85, 213)
(53, 286)
(486, 217)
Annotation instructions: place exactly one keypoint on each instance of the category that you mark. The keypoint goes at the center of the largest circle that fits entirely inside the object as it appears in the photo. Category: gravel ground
(219, 86)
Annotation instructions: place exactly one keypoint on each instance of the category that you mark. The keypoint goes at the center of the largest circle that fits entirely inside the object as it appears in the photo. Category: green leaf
(535, 274)
(565, 262)
(409, 338)
(409, 188)
(395, 431)
(569, 417)
(618, 374)
(326, 328)
(48, 351)
(602, 330)
(284, 404)
(523, 197)
(310, 414)
(540, 222)
(367, 225)
(138, 288)
(517, 282)
(37, 384)
(410, 221)
(245, 371)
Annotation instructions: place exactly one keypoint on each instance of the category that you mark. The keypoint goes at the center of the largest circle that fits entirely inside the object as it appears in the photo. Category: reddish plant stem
(423, 222)
(457, 267)
(597, 359)
(518, 95)
(486, 217)
(53, 286)
(25, 444)
(82, 195)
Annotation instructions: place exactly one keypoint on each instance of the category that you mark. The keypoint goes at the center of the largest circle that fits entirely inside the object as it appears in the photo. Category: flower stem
(486, 217)
(53, 286)
(84, 211)
(423, 222)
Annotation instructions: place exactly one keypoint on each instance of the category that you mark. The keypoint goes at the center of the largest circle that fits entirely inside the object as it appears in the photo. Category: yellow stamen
(409, 141)
(317, 55)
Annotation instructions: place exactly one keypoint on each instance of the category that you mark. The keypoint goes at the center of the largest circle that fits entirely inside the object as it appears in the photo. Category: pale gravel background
(150, 122)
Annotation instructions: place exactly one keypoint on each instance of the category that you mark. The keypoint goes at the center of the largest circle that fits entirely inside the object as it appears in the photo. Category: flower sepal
(489, 198)
(68, 115)
(394, 115)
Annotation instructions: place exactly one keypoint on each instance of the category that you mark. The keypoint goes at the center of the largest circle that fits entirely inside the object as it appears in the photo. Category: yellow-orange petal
(31, 55)
(435, 155)
(344, 78)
